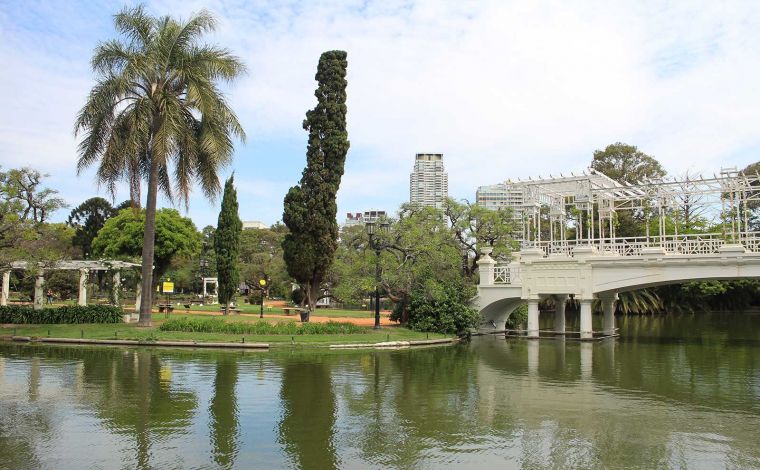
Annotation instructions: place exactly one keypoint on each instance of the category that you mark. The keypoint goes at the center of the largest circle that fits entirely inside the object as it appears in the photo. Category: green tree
(227, 245)
(261, 258)
(310, 210)
(627, 164)
(122, 237)
(475, 227)
(157, 114)
(87, 219)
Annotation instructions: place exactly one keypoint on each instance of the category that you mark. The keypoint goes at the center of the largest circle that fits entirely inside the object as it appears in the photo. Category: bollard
(115, 334)
(81, 332)
(427, 335)
(292, 340)
(388, 337)
(48, 333)
(242, 340)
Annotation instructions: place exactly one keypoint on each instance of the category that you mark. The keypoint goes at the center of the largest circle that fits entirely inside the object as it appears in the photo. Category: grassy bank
(131, 331)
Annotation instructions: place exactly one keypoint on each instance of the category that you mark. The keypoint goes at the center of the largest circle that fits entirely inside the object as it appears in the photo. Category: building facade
(429, 182)
(361, 218)
(254, 224)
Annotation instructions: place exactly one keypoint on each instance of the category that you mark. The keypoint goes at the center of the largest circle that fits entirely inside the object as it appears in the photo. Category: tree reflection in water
(307, 429)
(223, 419)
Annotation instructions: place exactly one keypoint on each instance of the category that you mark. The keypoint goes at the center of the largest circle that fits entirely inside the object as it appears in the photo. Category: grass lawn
(247, 308)
(131, 331)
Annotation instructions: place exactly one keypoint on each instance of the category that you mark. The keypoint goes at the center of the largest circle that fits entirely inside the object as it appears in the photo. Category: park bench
(230, 310)
(168, 308)
(290, 310)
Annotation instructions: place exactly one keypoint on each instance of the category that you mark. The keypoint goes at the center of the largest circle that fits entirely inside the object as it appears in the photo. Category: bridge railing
(689, 244)
(506, 274)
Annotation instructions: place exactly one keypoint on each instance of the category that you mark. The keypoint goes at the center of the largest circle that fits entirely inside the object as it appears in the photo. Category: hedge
(18, 314)
(215, 325)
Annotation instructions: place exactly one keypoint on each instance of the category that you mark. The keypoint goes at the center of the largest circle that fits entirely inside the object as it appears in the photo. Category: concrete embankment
(130, 342)
(396, 344)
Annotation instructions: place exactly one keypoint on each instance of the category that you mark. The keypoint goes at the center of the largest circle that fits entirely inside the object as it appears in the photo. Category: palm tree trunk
(149, 239)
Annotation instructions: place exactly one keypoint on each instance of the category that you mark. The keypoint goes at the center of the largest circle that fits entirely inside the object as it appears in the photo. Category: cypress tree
(310, 210)
(227, 245)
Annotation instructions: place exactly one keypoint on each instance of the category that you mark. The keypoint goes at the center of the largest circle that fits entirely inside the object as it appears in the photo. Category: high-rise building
(428, 183)
(360, 218)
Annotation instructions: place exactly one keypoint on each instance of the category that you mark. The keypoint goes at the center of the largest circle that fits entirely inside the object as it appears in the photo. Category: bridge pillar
(559, 313)
(586, 329)
(608, 307)
(533, 318)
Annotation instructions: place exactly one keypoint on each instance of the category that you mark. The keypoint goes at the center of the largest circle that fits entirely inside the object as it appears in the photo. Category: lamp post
(262, 283)
(378, 246)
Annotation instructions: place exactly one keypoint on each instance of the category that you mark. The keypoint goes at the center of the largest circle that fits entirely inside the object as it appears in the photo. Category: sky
(503, 89)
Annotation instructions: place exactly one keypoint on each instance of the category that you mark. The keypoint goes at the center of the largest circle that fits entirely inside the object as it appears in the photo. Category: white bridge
(598, 265)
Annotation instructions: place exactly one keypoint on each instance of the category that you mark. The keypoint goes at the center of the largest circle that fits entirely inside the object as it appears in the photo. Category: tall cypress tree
(227, 245)
(310, 210)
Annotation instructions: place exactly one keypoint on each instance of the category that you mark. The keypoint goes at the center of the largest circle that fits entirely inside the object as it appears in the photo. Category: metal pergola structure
(589, 211)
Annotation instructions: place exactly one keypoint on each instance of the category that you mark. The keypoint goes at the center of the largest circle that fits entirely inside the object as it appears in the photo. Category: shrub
(447, 313)
(218, 325)
(518, 317)
(19, 314)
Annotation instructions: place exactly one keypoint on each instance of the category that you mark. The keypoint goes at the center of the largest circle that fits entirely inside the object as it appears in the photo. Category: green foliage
(122, 237)
(87, 219)
(309, 209)
(518, 317)
(157, 114)
(17, 314)
(227, 244)
(475, 227)
(217, 325)
(627, 164)
(447, 312)
(261, 258)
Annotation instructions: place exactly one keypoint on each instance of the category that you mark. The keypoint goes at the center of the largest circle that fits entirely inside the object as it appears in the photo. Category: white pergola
(83, 266)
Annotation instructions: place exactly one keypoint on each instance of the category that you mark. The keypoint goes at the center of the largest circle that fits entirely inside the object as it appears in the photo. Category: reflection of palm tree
(223, 411)
(307, 427)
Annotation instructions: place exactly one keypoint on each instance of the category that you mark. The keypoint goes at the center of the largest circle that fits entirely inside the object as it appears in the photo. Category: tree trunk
(149, 239)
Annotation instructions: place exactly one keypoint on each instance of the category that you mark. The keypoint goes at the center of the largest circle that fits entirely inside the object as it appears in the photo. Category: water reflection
(223, 419)
(306, 431)
(632, 402)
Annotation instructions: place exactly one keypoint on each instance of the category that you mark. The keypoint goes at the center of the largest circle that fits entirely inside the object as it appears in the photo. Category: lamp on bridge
(378, 246)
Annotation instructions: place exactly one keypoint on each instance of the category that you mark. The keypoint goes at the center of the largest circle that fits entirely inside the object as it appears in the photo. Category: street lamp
(378, 246)
(262, 283)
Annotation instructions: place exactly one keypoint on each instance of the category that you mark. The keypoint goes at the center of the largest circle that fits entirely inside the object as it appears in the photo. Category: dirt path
(384, 321)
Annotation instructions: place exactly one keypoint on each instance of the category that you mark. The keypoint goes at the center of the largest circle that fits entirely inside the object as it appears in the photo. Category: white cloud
(503, 89)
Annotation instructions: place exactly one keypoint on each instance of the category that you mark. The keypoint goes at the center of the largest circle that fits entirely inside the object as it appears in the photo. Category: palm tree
(157, 115)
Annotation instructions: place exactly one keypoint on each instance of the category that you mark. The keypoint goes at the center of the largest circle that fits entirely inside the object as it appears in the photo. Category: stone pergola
(83, 266)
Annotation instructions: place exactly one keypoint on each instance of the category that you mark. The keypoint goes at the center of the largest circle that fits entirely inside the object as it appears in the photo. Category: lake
(679, 391)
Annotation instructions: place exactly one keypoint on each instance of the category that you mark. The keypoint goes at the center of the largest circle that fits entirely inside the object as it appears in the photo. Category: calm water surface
(675, 392)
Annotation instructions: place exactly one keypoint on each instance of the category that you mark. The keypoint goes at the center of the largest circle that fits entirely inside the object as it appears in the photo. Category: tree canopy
(227, 245)
(310, 210)
(87, 219)
(157, 114)
(121, 237)
(626, 163)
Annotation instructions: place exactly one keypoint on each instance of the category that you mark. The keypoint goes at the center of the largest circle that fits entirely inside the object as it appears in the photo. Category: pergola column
(82, 300)
(533, 318)
(6, 288)
(39, 283)
(138, 294)
(586, 329)
(608, 307)
(116, 288)
(559, 313)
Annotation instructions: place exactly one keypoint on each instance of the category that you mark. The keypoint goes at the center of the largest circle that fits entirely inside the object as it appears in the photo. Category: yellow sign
(167, 287)
(262, 282)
